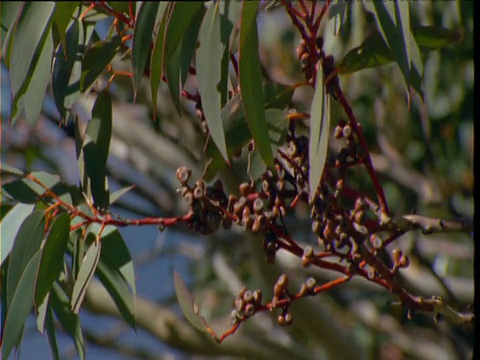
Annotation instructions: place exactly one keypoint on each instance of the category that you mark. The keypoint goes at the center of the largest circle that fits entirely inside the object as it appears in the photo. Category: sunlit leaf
(85, 275)
(114, 196)
(116, 273)
(251, 81)
(52, 258)
(33, 98)
(97, 57)
(187, 304)
(209, 62)
(10, 225)
(28, 39)
(26, 244)
(180, 20)
(95, 150)
(142, 38)
(68, 319)
(319, 134)
(434, 37)
(61, 17)
(156, 60)
(20, 305)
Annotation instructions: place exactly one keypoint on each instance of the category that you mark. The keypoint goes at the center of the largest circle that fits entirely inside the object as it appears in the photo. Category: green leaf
(237, 134)
(67, 70)
(119, 193)
(393, 20)
(85, 275)
(6, 169)
(61, 18)
(277, 131)
(52, 260)
(42, 313)
(9, 12)
(181, 18)
(434, 38)
(187, 304)
(250, 77)
(26, 244)
(20, 305)
(29, 192)
(319, 134)
(156, 60)
(28, 40)
(10, 226)
(142, 37)
(95, 150)
(68, 319)
(52, 339)
(209, 67)
(189, 44)
(38, 84)
(115, 271)
(97, 57)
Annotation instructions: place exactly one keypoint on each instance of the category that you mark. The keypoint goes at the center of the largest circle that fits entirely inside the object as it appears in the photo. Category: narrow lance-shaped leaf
(20, 306)
(188, 306)
(142, 37)
(95, 150)
(180, 20)
(27, 42)
(85, 275)
(156, 60)
(35, 93)
(68, 319)
(250, 81)
(319, 133)
(116, 273)
(26, 244)
(209, 67)
(10, 225)
(52, 259)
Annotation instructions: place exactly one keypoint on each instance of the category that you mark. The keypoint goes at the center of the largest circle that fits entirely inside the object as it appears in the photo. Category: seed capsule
(183, 174)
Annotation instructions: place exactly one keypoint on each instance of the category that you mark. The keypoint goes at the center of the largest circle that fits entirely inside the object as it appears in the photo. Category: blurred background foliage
(423, 152)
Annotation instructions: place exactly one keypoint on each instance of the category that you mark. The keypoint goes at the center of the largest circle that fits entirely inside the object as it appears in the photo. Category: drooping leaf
(42, 313)
(250, 77)
(209, 68)
(156, 60)
(67, 70)
(9, 12)
(95, 151)
(393, 20)
(28, 191)
(237, 134)
(20, 305)
(67, 318)
(85, 275)
(52, 338)
(187, 304)
(97, 57)
(10, 226)
(119, 193)
(142, 37)
(35, 93)
(434, 37)
(180, 20)
(61, 17)
(52, 258)
(319, 134)
(116, 273)
(26, 244)
(27, 41)
(6, 169)
(189, 44)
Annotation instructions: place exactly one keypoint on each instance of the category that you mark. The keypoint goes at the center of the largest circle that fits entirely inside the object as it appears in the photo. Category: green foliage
(51, 247)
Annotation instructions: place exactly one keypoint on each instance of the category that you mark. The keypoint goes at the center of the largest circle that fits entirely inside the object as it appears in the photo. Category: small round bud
(347, 131)
(305, 60)
(245, 189)
(338, 132)
(258, 205)
(257, 297)
(310, 283)
(183, 174)
(248, 296)
(281, 320)
(249, 309)
(288, 318)
(239, 304)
